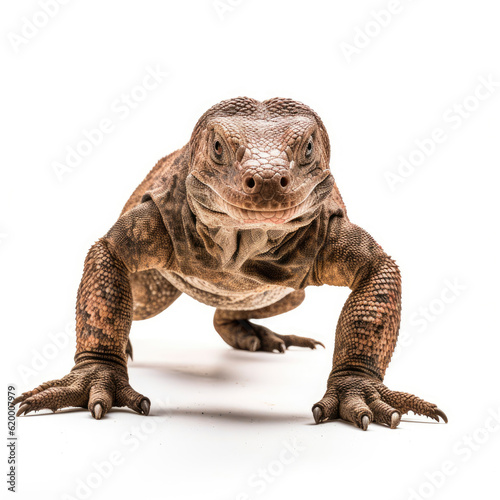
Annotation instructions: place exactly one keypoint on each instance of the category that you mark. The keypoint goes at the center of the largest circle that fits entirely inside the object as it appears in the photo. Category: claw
(395, 419)
(18, 399)
(254, 344)
(319, 343)
(317, 414)
(145, 406)
(97, 411)
(23, 408)
(365, 422)
(441, 414)
(282, 348)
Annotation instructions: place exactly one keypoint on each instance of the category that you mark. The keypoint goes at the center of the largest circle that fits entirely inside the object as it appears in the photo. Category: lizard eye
(309, 148)
(218, 148)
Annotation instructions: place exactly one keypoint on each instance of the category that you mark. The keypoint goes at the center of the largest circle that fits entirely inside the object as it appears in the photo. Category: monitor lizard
(243, 218)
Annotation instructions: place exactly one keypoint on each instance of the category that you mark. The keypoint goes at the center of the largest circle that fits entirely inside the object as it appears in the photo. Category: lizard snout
(266, 184)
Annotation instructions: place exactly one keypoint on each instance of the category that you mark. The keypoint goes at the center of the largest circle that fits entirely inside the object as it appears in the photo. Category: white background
(220, 416)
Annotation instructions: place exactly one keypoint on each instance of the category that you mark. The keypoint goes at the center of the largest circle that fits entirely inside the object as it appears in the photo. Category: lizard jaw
(261, 216)
(209, 201)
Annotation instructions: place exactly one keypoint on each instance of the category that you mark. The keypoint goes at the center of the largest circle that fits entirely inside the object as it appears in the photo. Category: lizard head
(258, 163)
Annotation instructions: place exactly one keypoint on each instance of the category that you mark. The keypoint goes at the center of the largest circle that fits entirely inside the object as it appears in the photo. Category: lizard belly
(217, 296)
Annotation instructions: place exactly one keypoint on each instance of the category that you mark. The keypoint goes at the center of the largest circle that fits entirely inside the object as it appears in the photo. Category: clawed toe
(253, 344)
(317, 414)
(295, 340)
(97, 411)
(395, 420)
(365, 422)
(442, 414)
(145, 406)
(23, 409)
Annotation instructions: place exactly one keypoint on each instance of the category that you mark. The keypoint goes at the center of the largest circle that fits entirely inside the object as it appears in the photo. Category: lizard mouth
(261, 216)
(211, 201)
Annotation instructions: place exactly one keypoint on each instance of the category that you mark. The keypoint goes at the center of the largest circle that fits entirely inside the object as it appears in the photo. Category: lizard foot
(95, 386)
(254, 337)
(362, 400)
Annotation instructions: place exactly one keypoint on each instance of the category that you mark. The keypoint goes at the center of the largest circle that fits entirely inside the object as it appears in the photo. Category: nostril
(250, 183)
(284, 182)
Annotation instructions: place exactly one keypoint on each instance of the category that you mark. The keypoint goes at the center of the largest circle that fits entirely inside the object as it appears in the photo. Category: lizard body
(242, 218)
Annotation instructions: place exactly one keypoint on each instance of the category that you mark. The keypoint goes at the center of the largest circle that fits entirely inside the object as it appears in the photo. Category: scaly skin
(243, 218)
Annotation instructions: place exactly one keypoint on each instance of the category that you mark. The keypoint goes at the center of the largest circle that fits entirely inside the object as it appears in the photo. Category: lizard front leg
(99, 379)
(366, 334)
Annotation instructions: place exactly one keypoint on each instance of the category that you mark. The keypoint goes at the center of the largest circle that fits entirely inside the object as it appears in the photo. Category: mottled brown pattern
(103, 308)
(151, 293)
(243, 218)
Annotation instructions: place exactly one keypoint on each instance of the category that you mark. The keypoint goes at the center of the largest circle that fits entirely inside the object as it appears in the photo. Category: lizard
(243, 218)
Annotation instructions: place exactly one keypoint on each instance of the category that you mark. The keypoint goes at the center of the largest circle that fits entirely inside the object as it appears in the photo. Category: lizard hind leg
(238, 332)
